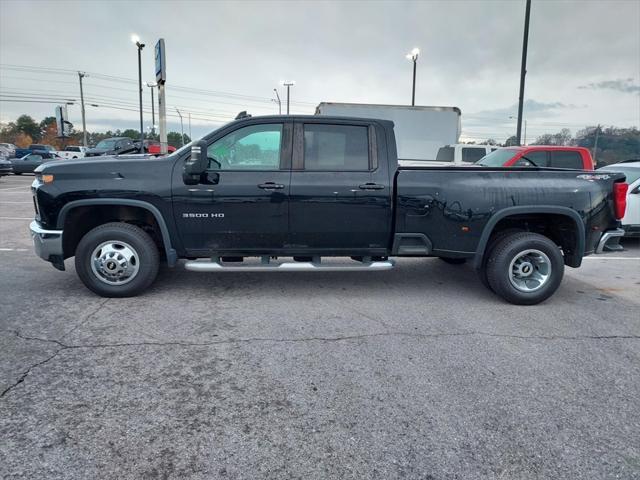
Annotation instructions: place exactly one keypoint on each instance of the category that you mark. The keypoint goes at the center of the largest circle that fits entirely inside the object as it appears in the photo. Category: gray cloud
(532, 109)
(625, 85)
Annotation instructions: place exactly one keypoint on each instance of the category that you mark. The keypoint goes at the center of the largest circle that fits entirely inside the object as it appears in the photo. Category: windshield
(497, 158)
(106, 144)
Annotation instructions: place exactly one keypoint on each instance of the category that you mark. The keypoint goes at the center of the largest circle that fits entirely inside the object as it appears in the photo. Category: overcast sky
(583, 66)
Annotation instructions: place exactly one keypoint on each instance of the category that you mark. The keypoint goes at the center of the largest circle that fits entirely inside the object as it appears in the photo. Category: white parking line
(612, 258)
(14, 249)
(28, 203)
(16, 218)
(10, 189)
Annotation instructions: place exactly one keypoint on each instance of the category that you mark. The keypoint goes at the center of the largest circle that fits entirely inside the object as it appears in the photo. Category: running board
(270, 266)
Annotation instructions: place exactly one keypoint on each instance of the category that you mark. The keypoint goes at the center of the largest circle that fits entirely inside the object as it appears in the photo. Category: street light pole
(523, 68)
(181, 128)
(288, 84)
(153, 108)
(190, 137)
(135, 39)
(279, 102)
(413, 56)
(81, 75)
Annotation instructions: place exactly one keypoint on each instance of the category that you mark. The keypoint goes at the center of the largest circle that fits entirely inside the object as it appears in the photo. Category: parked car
(540, 156)
(452, 155)
(6, 153)
(5, 167)
(112, 146)
(312, 186)
(9, 150)
(31, 161)
(631, 219)
(21, 152)
(152, 147)
(73, 151)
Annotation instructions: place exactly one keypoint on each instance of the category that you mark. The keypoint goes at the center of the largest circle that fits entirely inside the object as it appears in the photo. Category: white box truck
(420, 131)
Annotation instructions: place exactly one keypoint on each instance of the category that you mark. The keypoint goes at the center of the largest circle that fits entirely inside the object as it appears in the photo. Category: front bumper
(608, 236)
(48, 244)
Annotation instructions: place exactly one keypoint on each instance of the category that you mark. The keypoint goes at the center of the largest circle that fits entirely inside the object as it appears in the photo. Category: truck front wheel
(525, 268)
(117, 260)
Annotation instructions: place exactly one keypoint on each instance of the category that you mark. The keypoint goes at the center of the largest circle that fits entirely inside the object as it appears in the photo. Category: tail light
(620, 199)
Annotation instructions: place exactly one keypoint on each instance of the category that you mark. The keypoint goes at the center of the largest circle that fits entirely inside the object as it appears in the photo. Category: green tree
(511, 141)
(27, 125)
(131, 133)
(173, 138)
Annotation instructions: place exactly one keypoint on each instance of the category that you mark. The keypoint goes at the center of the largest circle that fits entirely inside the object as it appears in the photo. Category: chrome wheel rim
(115, 262)
(530, 270)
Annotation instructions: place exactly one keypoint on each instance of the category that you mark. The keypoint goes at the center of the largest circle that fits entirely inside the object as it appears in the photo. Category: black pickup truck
(310, 187)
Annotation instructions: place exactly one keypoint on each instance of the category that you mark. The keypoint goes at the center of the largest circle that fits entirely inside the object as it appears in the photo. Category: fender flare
(520, 210)
(172, 256)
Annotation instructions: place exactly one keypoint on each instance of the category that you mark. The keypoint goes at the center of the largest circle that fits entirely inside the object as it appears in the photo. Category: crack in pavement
(88, 317)
(64, 346)
(27, 372)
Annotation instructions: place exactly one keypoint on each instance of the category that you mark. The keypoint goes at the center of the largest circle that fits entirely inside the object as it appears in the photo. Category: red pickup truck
(540, 156)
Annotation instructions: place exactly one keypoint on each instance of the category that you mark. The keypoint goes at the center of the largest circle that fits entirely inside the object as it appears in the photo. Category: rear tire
(453, 260)
(493, 241)
(117, 260)
(525, 268)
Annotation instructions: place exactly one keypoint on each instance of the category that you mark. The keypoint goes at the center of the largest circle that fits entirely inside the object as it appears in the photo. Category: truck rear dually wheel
(117, 260)
(525, 268)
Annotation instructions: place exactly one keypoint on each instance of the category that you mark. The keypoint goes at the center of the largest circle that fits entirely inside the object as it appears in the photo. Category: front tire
(525, 268)
(117, 260)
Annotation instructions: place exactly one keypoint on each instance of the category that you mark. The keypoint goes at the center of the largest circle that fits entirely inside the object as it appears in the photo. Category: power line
(200, 91)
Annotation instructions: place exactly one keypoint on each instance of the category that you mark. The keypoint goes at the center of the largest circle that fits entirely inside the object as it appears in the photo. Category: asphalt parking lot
(415, 373)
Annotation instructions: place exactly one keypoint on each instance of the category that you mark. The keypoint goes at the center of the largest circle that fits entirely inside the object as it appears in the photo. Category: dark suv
(112, 146)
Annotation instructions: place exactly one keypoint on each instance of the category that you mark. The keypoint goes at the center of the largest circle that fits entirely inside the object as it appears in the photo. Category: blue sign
(161, 69)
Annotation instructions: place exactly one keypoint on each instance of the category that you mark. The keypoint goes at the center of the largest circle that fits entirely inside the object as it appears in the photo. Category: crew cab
(33, 148)
(112, 146)
(73, 151)
(305, 188)
(540, 156)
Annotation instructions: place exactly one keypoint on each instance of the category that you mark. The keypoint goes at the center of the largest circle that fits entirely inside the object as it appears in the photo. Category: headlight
(44, 177)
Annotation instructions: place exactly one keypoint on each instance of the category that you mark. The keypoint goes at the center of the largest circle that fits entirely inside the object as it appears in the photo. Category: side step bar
(215, 265)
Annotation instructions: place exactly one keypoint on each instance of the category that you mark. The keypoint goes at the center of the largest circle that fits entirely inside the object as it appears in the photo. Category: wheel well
(82, 219)
(561, 229)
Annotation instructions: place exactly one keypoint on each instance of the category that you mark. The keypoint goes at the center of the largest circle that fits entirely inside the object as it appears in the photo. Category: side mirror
(117, 147)
(197, 164)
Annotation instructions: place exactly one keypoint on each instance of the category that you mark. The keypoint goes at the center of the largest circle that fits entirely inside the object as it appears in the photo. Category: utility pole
(279, 102)
(523, 68)
(595, 145)
(190, 137)
(288, 84)
(81, 75)
(181, 128)
(153, 108)
(413, 56)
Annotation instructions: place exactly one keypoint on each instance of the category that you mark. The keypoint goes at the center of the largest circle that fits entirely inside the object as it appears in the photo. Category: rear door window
(336, 147)
(533, 159)
(566, 159)
(472, 155)
(445, 154)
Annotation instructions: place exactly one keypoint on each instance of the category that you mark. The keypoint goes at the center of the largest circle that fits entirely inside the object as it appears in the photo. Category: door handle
(270, 186)
(370, 186)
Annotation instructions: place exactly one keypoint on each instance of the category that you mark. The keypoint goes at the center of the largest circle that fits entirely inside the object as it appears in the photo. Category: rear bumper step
(608, 236)
(271, 266)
